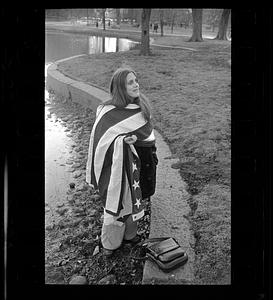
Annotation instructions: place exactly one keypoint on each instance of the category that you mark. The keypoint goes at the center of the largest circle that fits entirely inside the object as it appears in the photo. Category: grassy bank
(190, 95)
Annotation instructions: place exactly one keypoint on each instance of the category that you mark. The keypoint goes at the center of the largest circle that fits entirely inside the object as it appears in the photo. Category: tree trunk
(118, 16)
(131, 15)
(161, 21)
(223, 25)
(117, 45)
(137, 12)
(139, 15)
(103, 18)
(197, 15)
(103, 44)
(173, 19)
(145, 37)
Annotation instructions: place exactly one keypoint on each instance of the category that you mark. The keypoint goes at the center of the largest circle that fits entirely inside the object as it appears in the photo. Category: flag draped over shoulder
(112, 164)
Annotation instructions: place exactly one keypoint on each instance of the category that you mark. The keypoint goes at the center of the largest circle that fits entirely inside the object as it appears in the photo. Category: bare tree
(173, 19)
(183, 17)
(223, 25)
(213, 17)
(197, 15)
(134, 14)
(145, 36)
(103, 17)
(161, 17)
(138, 15)
(118, 16)
(130, 15)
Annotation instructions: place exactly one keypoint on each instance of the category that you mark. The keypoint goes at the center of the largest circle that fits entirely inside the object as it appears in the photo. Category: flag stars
(136, 184)
(134, 167)
(137, 203)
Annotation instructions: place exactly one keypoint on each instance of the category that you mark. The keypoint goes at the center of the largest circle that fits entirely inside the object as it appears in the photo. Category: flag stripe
(125, 126)
(106, 174)
(101, 110)
(113, 166)
(143, 132)
(111, 118)
(151, 137)
(138, 215)
(114, 187)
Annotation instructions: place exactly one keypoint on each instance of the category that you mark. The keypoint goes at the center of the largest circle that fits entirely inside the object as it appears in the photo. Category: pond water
(57, 177)
(57, 143)
(63, 45)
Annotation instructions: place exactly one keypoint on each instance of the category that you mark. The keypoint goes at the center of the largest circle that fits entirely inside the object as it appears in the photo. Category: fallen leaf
(96, 250)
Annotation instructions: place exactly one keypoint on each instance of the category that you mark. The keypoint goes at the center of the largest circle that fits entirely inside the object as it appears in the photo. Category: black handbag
(165, 252)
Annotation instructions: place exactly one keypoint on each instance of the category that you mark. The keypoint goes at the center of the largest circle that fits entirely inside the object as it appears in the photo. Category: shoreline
(93, 31)
(168, 39)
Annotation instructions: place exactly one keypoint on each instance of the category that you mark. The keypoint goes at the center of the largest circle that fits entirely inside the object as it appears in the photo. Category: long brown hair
(119, 95)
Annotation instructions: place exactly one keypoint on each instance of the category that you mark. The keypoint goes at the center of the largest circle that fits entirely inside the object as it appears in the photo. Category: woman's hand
(130, 139)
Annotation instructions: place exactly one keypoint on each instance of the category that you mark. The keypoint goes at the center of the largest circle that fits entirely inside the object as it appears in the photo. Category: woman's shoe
(107, 252)
(133, 241)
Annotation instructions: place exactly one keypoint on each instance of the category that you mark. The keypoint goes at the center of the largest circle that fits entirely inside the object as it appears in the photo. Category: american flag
(110, 159)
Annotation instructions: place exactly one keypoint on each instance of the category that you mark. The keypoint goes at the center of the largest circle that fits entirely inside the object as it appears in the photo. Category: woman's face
(132, 86)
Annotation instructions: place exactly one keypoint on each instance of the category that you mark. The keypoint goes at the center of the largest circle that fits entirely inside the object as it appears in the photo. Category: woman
(121, 161)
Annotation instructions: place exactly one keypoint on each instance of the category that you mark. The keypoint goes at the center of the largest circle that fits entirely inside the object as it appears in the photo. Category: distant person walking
(122, 159)
(97, 24)
(155, 27)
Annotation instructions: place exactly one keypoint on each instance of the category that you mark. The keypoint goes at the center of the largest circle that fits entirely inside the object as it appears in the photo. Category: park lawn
(190, 94)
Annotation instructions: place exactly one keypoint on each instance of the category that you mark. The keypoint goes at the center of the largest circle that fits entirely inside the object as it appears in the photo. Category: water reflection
(57, 175)
(99, 44)
(63, 45)
(57, 146)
